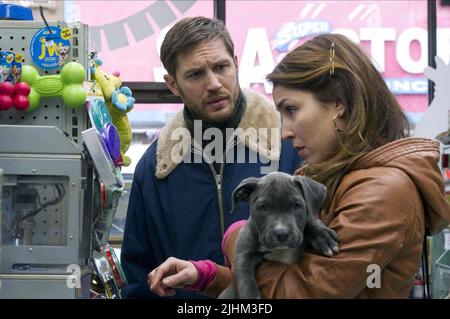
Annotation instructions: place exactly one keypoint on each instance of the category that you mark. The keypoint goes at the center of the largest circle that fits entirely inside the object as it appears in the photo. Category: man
(180, 199)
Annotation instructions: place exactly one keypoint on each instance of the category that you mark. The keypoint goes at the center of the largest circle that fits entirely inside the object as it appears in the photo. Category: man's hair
(188, 33)
(345, 77)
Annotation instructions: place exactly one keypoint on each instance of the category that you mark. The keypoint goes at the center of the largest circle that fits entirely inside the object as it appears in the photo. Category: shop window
(397, 43)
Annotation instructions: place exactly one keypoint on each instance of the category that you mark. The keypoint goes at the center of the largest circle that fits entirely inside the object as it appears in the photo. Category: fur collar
(260, 113)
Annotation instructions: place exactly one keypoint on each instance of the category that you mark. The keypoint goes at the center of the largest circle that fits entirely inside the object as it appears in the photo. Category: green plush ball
(73, 72)
(29, 74)
(33, 98)
(74, 95)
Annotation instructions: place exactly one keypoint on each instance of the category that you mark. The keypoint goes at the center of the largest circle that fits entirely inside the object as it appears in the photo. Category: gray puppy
(283, 220)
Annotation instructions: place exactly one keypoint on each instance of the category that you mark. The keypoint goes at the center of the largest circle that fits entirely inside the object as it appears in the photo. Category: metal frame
(220, 10)
(28, 160)
(63, 254)
(152, 92)
(432, 40)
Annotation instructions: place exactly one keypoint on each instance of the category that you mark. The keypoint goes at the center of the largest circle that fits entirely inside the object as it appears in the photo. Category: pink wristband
(206, 270)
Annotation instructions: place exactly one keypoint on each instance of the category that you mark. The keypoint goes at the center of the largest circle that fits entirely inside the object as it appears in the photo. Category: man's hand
(173, 273)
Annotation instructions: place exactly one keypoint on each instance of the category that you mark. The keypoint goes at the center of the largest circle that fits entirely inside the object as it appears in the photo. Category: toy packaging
(12, 92)
(16, 68)
(6, 60)
(50, 47)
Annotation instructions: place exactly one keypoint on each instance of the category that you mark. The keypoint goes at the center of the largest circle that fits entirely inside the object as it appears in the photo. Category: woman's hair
(189, 32)
(345, 76)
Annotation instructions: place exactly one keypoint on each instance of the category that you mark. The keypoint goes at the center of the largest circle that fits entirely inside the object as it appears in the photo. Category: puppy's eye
(297, 206)
(262, 207)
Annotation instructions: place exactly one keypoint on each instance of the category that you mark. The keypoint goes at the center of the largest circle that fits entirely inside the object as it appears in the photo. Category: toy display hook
(41, 11)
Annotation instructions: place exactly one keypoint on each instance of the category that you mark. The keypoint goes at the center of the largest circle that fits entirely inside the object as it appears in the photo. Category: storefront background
(127, 36)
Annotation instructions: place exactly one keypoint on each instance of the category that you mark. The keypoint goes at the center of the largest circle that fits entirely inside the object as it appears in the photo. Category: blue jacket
(179, 209)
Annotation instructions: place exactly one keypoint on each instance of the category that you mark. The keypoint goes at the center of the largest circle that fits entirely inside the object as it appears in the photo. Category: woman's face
(308, 123)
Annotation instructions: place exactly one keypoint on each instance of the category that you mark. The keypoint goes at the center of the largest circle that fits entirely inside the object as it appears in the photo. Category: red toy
(6, 95)
(21, 101)
(14, 95)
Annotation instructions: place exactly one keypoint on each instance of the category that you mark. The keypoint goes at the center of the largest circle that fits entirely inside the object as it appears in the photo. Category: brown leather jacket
(378, 213)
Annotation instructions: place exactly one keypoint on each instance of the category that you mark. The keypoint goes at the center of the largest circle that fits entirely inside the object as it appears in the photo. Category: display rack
(15, 36)
(47, 184)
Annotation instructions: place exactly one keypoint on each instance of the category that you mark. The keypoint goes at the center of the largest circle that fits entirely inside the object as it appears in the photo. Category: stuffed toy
(119, 101)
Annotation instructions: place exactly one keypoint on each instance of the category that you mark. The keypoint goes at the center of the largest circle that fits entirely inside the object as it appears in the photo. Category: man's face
(206, 80)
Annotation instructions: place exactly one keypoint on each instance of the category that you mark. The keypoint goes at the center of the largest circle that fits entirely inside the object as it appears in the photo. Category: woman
(383, 188)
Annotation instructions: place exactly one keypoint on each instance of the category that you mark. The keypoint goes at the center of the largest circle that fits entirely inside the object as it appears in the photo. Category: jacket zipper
(219, 183)
(218, 180)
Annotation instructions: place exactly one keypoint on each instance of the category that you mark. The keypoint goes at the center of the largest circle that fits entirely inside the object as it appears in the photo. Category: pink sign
(128, 34)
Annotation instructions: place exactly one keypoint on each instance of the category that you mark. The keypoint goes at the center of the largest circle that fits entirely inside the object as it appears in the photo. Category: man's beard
(198, 112)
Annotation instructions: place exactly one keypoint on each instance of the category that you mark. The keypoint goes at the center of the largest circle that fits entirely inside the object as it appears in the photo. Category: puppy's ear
(314, 193)
(243, 191)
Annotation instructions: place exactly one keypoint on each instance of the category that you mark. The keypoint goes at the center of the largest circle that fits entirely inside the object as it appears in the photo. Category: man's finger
(164, 292)
(178, 280)
(158, 273)
(155, 276)
(149, 276)
(158, 288)
(156, 285)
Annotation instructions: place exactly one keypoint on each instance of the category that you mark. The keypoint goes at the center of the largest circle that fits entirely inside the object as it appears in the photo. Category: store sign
(128, 37)
(257, 48)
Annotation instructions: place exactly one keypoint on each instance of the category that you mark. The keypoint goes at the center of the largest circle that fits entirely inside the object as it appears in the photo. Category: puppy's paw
(324, 241)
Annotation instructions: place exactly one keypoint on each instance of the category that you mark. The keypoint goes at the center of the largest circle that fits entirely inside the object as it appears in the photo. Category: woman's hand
(173, 273)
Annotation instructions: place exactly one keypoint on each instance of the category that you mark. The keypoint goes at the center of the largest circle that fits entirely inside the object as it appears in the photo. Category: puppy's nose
(281, 235)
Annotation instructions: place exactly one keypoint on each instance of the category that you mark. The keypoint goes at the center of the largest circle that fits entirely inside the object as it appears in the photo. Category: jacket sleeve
(137, 256)
(373, 217)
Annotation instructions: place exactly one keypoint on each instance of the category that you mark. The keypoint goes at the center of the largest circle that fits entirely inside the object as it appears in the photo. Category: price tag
(66, 34)
(19, 58)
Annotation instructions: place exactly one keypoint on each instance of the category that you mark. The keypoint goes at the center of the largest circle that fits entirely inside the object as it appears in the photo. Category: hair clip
(332, 53)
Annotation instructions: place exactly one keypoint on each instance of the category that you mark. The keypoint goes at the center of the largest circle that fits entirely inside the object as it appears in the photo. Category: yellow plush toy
(119, 102)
